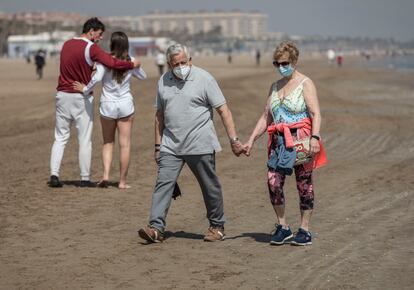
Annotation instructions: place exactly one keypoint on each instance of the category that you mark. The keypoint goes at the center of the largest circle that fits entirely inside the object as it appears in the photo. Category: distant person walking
(116, 107)
(366, 54)
(160, 62)
(330, 54)
(185, 134)
(229, 56)
(291, 113)
(76, 63)
(258, 55)
(339, 59)
(40, 62)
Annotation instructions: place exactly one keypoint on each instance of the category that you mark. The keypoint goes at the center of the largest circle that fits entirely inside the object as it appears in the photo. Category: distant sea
(397, 62)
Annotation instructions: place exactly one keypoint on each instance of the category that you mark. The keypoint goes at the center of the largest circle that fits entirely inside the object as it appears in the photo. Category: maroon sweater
(74, 64)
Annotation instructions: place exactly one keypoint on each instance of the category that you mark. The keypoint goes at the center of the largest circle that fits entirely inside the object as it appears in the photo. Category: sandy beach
(77, 238)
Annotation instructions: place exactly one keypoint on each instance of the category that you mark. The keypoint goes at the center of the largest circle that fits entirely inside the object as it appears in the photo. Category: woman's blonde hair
(290, 48)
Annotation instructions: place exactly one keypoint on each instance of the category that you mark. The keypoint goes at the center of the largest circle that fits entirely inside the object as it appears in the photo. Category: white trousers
(77, 109)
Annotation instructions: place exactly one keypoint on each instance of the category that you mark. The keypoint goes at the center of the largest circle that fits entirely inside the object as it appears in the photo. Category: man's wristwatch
(316, 137)
(234, 140)
(157, 147)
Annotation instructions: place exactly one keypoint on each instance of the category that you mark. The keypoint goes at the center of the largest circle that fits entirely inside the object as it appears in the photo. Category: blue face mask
(286, 71)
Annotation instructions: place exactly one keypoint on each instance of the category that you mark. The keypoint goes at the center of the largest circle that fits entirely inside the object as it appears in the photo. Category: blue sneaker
(281, 236)
(302, 238)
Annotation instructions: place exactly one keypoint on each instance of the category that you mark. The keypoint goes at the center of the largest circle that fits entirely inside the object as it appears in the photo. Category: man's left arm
(98, 55)
(216, 100)
(227, 119)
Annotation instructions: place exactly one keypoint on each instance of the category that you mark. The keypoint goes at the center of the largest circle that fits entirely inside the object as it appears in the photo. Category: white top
(330, 54)
(111, 90)
(160, 59)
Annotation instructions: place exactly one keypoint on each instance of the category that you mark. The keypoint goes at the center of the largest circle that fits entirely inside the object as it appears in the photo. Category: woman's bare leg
(305, 219)
(108, 133)
(124, 138)
(280, 214)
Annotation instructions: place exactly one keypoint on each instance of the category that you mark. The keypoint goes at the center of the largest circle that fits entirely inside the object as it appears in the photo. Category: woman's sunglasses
(283, 63)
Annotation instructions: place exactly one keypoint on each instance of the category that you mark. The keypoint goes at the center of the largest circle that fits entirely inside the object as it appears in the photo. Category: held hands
(78, 86)
(248, 148)
(237, 147)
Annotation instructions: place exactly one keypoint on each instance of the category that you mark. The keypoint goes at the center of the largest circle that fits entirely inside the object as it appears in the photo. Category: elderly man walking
(184, 133)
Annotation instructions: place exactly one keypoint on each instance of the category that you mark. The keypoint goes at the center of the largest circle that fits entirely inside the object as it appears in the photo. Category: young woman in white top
(116, 107)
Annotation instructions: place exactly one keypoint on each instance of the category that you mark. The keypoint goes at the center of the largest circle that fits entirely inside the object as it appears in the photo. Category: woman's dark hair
(93, 23)
(119, 48)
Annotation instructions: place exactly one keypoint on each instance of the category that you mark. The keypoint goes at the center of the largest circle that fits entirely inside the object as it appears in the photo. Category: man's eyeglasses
(283, 63)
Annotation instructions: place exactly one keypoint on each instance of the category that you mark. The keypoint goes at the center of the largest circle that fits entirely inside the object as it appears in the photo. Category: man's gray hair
(176, 49)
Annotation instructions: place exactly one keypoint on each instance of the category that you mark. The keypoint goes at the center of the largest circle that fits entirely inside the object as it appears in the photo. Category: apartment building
(232, 24)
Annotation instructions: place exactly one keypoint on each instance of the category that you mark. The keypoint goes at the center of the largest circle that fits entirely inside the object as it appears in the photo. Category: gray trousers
(204, 169)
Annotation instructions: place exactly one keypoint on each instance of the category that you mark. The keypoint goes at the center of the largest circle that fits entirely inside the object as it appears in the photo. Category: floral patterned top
(292, 108)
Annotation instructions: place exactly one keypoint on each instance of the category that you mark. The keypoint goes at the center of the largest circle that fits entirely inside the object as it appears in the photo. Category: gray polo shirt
(188, 112)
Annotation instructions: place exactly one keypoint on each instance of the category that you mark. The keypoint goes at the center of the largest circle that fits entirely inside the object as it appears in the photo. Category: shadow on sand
(258, 237)
(76, 183)
(183, 235)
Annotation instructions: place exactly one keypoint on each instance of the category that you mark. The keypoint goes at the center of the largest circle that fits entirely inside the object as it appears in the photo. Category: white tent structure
(20, 46)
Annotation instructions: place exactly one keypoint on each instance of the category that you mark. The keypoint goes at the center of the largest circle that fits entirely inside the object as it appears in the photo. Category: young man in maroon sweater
(77, 58)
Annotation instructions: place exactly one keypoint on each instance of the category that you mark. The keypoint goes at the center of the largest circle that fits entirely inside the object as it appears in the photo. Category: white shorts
(117, 109)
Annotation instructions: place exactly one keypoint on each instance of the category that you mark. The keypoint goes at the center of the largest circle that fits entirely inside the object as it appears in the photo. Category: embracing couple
(79, 58)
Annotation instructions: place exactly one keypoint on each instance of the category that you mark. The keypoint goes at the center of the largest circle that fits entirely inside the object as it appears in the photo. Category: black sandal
(102, 184)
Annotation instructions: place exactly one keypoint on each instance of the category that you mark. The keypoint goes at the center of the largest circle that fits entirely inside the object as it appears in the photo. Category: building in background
(62, 19)
(205, 32)
(33, 23)
(23, 46)
(129, 23)
(231, 24)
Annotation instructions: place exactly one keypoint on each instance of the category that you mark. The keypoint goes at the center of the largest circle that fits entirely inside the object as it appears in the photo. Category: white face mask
(181, 71)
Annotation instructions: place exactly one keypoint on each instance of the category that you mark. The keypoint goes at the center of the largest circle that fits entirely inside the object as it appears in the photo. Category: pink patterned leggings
(304, 185)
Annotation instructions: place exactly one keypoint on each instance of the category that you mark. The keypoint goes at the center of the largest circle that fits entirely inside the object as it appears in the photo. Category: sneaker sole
(293, 243)
(282, 242)
(143, 235)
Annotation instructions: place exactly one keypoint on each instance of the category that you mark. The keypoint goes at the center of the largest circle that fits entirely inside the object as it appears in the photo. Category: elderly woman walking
(291, 115)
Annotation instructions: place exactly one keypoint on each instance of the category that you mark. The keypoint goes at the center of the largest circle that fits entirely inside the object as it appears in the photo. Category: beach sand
(86, 238)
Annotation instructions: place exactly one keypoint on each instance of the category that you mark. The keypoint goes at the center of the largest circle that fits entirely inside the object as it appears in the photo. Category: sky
(354, 18)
